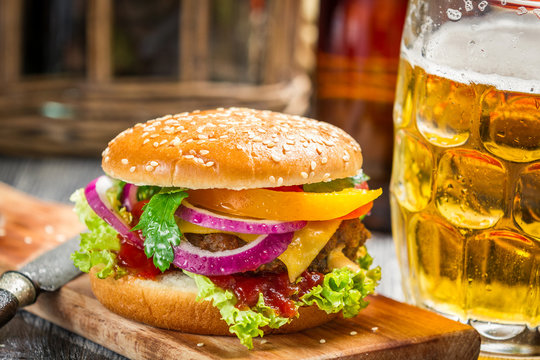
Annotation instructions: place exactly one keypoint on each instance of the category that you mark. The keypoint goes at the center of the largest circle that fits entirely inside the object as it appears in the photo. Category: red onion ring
(95, 194)
(249, 257)
(129, 196)
(212, 220)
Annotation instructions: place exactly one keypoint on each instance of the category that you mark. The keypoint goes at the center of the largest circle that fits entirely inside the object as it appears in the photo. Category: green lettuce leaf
(159, 227)
(99, 244)
(343, 290)
(147, 191)
(337, 184)
(245, 324)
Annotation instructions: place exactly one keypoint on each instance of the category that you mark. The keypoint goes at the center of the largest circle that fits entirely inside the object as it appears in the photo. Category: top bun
(234, 148)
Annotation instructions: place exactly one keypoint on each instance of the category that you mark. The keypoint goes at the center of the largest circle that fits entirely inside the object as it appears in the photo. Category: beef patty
(351, 234)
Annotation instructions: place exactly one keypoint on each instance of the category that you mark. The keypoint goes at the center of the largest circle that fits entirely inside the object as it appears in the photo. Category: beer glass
(465, 188)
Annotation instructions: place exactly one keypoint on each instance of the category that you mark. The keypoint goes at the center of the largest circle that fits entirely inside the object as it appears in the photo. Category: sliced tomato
(362, 210)
(283, 205)
(295, 188)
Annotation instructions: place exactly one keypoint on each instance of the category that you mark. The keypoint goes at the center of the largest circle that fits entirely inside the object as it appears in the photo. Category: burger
(229, 221)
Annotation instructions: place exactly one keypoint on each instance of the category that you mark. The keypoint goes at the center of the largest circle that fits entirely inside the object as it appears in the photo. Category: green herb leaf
(245, 324)
(99, 245)
(337, 184)
(343, 290)
(159, 227)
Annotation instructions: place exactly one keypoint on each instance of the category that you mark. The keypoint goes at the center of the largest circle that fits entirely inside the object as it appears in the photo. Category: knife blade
(48, 272)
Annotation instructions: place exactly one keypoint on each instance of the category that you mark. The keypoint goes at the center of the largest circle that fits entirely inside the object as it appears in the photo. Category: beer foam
(502, 50)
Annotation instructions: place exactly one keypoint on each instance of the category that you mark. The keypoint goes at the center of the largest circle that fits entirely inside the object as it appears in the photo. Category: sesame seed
(153, 136)
(263, 341)
(353, 333)
(276, 158)
(202, 137)
(346, 157)
(184, 131)
(145, 141)
(145, 134)
(272, 179)
(200, 344)
(279, 181)
(319, 150)
(375, 328)
(132, 169)
(189, 140)
(189, 156)
(304, 174)
(49, 229)
(204, 152)
(290, 142)
(149, 168)
(27, 239)
(322, 341)
(125, 161)
(176, 141)
(313, 165)
(156, 144)
(107, 159)
(324, 160)
(270, 145)
(162, 142)
(224, 136)
(210, 163)
(154, 163)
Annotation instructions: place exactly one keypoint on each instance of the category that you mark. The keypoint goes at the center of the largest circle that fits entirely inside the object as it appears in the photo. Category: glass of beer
(465, 188)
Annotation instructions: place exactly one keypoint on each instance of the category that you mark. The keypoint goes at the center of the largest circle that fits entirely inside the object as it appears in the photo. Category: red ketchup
(278, 292)
(133, 258)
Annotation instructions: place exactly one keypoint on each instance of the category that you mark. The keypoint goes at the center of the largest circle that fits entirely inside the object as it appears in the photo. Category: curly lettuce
(343, 290)
(99, 244)
(245, 324)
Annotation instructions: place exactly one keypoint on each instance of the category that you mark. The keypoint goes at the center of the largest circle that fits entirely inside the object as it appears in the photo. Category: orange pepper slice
(362, 210)
(283, 205)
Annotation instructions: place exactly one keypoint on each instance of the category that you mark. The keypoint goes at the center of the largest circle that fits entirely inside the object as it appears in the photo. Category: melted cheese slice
(337, 260)
(304, 247)
(306, 244)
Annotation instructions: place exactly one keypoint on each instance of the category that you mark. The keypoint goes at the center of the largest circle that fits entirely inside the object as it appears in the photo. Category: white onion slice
(249, 257)
(209, 219)
(96, 196)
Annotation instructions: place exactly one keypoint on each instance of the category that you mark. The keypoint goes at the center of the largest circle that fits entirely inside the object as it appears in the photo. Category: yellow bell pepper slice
(283, 205)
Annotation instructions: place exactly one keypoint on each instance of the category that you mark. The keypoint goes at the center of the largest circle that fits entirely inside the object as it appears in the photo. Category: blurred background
(74, 73)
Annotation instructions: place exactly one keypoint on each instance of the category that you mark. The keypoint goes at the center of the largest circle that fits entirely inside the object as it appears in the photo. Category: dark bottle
(357, 61)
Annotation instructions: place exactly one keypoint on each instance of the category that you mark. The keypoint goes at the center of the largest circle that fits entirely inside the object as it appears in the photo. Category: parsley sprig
(159, 228)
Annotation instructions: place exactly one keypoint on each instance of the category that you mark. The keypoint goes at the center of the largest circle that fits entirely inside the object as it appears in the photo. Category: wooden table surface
(29, 337)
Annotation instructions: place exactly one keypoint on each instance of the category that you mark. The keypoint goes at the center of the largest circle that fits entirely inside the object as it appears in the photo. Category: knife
(48, 272)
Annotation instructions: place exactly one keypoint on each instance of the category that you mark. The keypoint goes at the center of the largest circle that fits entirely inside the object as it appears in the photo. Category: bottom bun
(169, 302)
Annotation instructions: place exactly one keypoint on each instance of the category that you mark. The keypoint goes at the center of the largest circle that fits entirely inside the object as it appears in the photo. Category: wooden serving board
(385, 330)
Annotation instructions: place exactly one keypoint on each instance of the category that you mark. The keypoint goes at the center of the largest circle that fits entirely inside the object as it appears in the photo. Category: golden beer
(465, 189)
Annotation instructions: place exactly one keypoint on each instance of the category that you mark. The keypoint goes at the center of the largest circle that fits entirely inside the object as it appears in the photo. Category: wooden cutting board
(385, 330)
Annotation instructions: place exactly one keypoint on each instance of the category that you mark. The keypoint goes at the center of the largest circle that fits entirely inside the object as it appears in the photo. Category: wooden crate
(76, 114)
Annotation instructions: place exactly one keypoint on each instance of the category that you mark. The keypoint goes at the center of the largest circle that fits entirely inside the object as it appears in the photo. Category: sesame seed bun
(169, 302)
(234, 148)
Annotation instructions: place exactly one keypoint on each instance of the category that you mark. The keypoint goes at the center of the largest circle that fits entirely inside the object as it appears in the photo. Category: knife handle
(16, 290)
